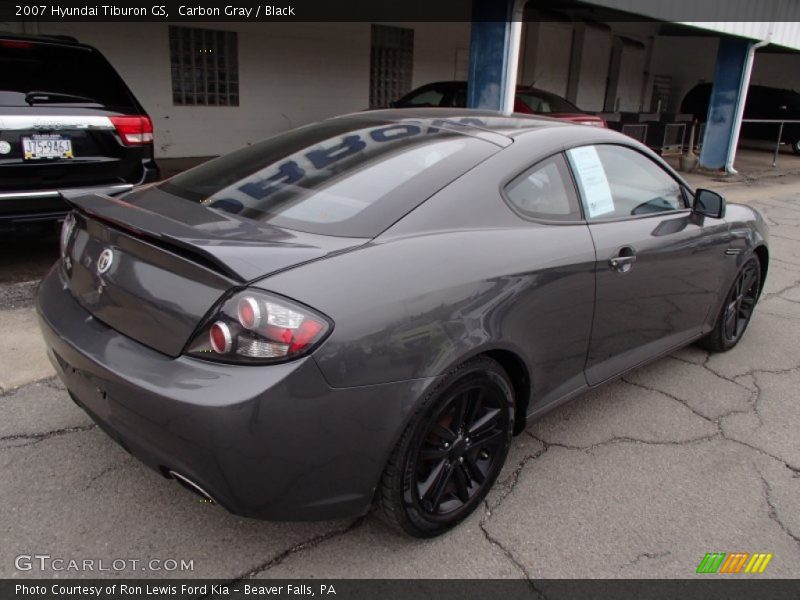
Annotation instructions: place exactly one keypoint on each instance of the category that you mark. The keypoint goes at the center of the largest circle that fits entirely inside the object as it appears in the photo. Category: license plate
(41, 146)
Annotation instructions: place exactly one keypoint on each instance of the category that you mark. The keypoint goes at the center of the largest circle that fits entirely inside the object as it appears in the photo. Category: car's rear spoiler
(241, 249)
(137, 221)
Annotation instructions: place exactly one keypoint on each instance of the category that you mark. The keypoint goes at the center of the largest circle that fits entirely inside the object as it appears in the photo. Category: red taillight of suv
(134, 130)
(16, 44)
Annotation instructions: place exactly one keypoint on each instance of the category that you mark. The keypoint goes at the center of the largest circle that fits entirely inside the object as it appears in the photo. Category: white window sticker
(592, 180)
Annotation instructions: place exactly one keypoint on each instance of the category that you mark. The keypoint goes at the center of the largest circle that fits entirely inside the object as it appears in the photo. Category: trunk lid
(152, 267)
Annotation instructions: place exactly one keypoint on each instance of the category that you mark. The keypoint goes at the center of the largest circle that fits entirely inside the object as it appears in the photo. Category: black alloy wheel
(737, 309)
(740, 302)
(451, 454)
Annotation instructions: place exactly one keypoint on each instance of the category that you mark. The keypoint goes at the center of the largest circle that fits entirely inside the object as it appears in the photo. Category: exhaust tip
(190, 485)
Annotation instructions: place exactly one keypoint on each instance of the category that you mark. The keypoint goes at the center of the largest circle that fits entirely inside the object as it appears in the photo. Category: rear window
(545, 102)
(342, 177)
(61, 74)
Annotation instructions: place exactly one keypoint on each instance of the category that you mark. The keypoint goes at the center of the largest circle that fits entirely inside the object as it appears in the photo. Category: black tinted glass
(81, 76)
(343, 177)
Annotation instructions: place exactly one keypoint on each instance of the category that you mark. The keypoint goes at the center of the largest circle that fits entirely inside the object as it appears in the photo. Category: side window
(616, 182)
(545, 191)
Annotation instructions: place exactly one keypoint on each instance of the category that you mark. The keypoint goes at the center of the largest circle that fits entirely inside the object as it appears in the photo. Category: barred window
(391, 64)
(205, 69)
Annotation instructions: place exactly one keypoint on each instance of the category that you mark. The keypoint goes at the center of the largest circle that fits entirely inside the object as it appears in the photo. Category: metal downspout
(515, 35)
(737, 122)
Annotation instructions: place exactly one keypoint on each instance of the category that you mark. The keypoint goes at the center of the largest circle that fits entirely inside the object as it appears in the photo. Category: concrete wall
(289, 75)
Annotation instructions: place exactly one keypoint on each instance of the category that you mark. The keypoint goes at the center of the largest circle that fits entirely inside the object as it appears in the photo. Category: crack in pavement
(766, 296)
(778, 315)
(795, 470)
(54, 383)
(308, 544)
(786, 263)
(504, 488)
(624, 439)
(49, 381)
(784, 237)
(645, 555)
(684, 402)
(487, 515)
(508, 485)
(789, 299)
(772, 511)
(45, 435)
(101, 474)
(754, 401)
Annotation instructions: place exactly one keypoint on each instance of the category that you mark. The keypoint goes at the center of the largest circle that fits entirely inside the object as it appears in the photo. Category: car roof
(54, 41)
(503, 128)
(494, 126)
(64, 40)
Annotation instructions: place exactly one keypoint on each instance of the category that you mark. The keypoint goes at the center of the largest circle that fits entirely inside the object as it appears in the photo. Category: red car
(529, 100)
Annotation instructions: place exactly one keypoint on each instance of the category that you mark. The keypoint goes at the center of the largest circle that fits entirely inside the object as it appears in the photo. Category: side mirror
(709, 204)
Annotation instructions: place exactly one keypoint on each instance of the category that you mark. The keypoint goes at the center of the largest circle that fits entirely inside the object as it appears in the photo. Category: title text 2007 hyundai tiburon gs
(363, 311)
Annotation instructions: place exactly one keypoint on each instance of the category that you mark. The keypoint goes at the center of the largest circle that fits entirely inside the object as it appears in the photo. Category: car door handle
(624, 260)
(619, 261)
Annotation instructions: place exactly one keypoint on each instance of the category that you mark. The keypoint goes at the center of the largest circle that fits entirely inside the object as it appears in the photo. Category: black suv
(762, 103)
(68, 125)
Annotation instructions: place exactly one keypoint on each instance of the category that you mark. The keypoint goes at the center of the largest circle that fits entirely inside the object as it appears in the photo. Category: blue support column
(489, 53)
(728, 91)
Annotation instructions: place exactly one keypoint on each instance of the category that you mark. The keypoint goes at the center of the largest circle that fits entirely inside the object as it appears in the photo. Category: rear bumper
(274, 442)
(21, 207)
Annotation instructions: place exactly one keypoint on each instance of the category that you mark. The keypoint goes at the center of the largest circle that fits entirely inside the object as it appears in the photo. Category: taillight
(134, 130)
(254, 327)
(219, 336)
(16, 44)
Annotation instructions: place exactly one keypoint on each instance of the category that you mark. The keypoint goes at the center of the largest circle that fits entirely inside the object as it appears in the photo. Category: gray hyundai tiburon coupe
(363, 311)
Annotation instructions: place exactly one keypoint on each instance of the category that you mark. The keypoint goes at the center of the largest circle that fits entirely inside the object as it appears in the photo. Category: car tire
(796, 146)
(737, 309)
(450, 453)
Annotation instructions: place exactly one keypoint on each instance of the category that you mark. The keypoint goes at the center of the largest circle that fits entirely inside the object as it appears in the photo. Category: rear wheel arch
(517, 371)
